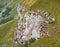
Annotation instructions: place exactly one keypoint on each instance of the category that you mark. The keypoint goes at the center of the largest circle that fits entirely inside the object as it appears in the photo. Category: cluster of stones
(29, 25)
(48, 17)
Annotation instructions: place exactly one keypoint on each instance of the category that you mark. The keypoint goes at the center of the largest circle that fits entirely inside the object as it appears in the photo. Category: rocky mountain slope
(51, 6)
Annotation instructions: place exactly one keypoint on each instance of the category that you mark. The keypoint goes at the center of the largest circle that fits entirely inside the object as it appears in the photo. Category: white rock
(53, 19)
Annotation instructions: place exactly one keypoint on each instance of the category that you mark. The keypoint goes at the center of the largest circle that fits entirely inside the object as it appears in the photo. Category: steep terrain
(52, 7)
